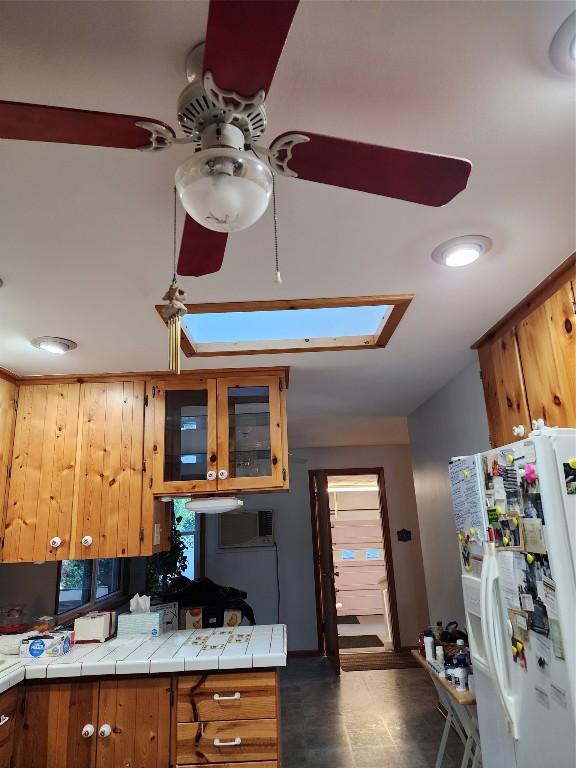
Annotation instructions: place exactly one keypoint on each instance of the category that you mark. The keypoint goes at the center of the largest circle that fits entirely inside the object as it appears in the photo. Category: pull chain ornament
(173, 313)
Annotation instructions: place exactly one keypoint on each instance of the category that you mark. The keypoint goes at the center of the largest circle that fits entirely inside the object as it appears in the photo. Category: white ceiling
(85, 234)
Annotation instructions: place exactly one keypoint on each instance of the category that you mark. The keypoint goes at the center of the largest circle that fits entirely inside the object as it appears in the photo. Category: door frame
(387, 542)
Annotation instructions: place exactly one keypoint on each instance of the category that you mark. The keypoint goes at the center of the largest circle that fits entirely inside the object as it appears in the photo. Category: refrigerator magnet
(519, 653)
(519, 622)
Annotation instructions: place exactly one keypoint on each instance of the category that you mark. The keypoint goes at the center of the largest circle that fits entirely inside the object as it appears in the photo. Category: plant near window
(162, 567)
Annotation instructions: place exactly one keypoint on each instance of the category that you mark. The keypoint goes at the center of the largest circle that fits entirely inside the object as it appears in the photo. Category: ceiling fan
(226, 184)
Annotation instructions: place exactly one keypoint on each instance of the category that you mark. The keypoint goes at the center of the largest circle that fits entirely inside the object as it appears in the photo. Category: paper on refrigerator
(467, 500)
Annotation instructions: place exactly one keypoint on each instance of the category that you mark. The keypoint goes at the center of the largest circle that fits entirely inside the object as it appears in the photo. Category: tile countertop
(182, 651)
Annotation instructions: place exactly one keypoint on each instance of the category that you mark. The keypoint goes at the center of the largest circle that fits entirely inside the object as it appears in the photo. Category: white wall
(452, 422)
(255, 570)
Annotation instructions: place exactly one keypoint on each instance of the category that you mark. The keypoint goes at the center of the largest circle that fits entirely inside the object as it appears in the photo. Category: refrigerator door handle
(491, 621)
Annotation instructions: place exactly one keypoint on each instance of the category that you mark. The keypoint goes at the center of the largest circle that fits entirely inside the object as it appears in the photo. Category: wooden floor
(376, 719)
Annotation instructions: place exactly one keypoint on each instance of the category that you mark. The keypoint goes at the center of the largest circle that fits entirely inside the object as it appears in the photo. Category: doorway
(355, 591)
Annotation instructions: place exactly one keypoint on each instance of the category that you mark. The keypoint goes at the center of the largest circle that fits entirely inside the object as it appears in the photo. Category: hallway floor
(376, 719)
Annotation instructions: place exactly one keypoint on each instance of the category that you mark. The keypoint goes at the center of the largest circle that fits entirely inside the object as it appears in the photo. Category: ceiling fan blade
(417, 177)
(244, 41)
(34, 122)
(201, 249)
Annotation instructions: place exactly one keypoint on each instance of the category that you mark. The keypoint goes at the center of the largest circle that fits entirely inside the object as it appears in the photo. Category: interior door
(50, 728)
(250, 438)
(325, 566)
(181, 436)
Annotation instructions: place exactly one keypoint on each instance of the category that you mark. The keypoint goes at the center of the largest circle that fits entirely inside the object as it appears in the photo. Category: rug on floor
(348, 620)
(359, 662)
(359, 641)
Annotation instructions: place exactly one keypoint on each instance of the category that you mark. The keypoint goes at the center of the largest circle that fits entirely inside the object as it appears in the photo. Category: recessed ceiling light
(54, 344)
(563, 46)
(460, 251)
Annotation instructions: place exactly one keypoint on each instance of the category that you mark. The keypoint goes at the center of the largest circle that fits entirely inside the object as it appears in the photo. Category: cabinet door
(8, 394)
(138, 714)
(504, 392)
(50, 729)
(8, 705)
(182, 436)
(41, 490)
(547, 341)
(110, 467)
(251, 449)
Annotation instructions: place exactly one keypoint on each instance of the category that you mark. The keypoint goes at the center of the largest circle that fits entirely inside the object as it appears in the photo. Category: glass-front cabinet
(218, 434)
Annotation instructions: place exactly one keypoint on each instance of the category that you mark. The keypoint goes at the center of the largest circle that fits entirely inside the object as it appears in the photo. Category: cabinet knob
(87, 541)
(223, 474)
(55, 542)
(211, 474)
(87, 731)
(518, 430)
(104, 731)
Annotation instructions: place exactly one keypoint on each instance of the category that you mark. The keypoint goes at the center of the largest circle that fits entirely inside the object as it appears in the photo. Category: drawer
(236, 741)
(226, 696)
(8, 705)
(267, 764)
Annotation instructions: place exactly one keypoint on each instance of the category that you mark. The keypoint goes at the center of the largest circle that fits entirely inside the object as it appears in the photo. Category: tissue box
(95, 627)
(48, 646)
(141, 623)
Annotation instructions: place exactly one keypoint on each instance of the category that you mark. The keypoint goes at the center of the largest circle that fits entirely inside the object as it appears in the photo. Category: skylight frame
(398, 303)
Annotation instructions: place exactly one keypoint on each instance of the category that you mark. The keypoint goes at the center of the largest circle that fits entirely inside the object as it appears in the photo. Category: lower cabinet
(8, 707)
(228, 719)
(103, 724)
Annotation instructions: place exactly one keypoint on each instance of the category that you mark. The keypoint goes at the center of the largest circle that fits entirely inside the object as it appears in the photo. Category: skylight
(291, 326)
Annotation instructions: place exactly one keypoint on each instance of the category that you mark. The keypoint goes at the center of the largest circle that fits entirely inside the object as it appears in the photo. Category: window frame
(378, 340)
(113, 600)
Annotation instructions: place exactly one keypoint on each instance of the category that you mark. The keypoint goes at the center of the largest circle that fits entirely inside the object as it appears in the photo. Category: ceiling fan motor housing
(196, 111)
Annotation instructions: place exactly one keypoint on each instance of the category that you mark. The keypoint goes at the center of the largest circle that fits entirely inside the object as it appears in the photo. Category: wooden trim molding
(8, 376)
(378, 340)
(564, 272)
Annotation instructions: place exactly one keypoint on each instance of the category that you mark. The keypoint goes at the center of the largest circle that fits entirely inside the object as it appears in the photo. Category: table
(461, 714)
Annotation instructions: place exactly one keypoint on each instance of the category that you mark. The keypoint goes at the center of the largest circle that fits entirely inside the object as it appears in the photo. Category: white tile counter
(182, 651)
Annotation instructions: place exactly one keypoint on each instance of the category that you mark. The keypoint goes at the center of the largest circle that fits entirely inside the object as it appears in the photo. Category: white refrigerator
(515, 515)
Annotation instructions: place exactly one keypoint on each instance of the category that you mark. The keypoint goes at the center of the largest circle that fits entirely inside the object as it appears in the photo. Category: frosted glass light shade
(224, 189)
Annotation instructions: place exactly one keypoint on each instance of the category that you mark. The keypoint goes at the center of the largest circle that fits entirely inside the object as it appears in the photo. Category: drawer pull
(4, 719)
(236, 743)
(236, 697)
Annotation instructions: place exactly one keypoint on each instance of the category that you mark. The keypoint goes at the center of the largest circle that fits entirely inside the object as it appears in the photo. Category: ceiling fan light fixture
(214, 506)
(224, 189)
(461, 251)
(563, 46)
(54, 344)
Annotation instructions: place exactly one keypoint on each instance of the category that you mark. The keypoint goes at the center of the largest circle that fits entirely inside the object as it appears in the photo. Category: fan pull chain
(174, 311)
(278, 278)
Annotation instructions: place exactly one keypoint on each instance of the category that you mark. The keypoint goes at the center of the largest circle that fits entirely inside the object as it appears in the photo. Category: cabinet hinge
(141, 534)
(284, 474)
(150, 482)
(153, 392)
(144, 466)
(146, 401)
(281, 386)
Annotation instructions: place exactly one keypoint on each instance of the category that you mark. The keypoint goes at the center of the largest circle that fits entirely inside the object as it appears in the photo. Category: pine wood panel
(8, 705)
(547, 342)
(504, 392)
(40, 496)
(110, 468)
(195, 742)
(279, 461)
(196, 696)
(50, 732)
(138, 711)
(8, 395)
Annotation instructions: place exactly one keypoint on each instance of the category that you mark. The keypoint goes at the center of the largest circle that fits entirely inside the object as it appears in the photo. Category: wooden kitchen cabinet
(8, 709)
(130, 718)
(8, 397)
(221, 434)
(547, 343)
(75, 488)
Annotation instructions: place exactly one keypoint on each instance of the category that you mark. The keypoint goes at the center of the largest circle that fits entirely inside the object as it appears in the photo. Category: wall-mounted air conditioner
(246, 529)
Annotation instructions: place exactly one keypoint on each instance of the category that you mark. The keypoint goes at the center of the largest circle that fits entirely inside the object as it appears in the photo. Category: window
(87, 584)
(188, 528)
(364, 322)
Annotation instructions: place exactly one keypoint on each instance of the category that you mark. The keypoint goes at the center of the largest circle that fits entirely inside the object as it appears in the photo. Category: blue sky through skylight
(282, 324)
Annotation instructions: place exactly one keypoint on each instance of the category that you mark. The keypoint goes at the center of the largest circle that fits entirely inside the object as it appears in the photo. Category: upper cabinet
(528, 361)
(220, 434)
(8, 395)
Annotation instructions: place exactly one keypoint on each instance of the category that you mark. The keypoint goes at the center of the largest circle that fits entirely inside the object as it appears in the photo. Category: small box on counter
(191, 618)
(95, 627)
(50, 646)
(169, 615)
(141, 624)
(209, 618)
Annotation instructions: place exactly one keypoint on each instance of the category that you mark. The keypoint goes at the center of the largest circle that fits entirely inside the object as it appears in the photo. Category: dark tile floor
(378, 719)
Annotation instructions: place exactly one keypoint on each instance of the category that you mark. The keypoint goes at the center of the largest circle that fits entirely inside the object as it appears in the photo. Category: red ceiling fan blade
(417, 177)
(244, 41)
(34, 122)
(201, 249)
